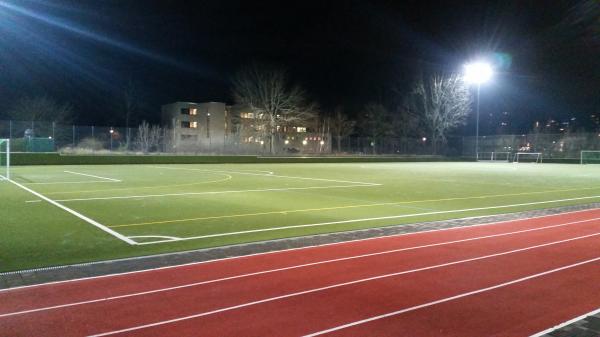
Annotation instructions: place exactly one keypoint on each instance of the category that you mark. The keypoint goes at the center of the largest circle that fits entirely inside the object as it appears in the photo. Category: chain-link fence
(48, 136)
(558, 145)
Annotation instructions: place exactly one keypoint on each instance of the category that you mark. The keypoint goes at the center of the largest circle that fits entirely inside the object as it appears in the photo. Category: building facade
(214, 127)
(197, 127)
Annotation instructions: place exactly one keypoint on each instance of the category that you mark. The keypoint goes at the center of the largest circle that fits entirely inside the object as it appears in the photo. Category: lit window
(300, 129)
(193, 125)
(193, 111)
(247, 115)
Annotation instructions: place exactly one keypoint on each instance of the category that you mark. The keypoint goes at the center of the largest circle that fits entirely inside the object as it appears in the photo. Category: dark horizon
(345, 53)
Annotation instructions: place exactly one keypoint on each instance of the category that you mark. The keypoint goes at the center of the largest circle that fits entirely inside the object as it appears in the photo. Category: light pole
(111, 137)
(477, 73)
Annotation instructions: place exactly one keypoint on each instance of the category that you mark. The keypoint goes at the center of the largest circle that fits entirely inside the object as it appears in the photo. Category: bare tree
(148, 137)
(444, 102)
(273, 101)
(41, 108)
(376, 124)
(341, 126)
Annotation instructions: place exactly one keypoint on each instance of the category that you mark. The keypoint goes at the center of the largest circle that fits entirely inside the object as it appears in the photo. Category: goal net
(493, 156)
(527, 157)
(4, 159)
(590, 157)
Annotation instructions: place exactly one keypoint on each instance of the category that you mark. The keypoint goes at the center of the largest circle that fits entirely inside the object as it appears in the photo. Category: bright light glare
(478, 72)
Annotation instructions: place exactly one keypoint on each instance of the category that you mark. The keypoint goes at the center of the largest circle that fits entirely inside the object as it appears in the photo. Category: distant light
(262, 142)
(50, 137)
(478, 72)
(424, 139)
(304, 142)
(111, 131)
(286, 142)
(208, 114)
(322, 142)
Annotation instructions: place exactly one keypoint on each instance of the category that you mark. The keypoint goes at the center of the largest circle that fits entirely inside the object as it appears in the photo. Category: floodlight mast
(477, 73)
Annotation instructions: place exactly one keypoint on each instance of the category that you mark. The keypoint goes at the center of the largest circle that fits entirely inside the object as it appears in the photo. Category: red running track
(511, 278)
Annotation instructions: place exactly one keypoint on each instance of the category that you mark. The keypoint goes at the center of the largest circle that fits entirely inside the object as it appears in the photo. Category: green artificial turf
(152, 203)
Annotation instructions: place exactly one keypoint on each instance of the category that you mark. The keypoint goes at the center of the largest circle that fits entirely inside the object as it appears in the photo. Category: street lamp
(111, 138)
(478, 73)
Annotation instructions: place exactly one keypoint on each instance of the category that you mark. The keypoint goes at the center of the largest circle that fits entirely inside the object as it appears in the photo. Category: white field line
(270, 271)
(218, 260)
(569, 322)
(364, 280)
(367, 219)
(77, 214)
(268, 175)
(206, 193)
(71, 182)
(153, 236)
(93, 176)
(452, 298)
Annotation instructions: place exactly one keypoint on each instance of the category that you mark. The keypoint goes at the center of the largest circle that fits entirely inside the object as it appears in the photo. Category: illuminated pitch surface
(157, 209)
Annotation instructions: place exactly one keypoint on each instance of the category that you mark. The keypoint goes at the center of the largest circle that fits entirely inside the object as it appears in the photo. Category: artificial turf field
(131, 210)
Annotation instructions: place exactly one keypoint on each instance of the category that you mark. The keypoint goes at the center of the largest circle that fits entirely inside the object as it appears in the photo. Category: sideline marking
(269, 271)
(569, 322)
(364, 280)
(77, 214)
(280, 251)
(71, 182)
(93, 176)
(365, 219)
(206, 193)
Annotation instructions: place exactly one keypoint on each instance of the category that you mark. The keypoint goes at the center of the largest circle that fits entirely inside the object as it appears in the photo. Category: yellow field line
(345, 207)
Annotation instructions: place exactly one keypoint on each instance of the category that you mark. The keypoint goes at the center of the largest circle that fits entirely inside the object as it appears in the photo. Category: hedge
(53, 158)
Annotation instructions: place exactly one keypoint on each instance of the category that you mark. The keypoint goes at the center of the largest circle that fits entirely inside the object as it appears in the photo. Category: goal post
(4, 159)
(590, 157)
(493, 156)
(527, 157)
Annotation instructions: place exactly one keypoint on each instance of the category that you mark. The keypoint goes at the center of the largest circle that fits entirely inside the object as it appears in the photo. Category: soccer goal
(4, 159)
(527, 157)
(493, 156)
(590, 157)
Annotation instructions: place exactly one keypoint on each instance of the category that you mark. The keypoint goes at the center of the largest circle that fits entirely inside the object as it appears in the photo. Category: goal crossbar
(493, 156)
(537, 155)
(4, 159)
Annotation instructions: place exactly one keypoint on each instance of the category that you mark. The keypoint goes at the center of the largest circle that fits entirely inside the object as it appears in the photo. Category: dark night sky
(342, 52)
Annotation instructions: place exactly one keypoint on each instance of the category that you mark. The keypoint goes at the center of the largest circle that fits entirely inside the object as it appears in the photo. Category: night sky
(349, 53)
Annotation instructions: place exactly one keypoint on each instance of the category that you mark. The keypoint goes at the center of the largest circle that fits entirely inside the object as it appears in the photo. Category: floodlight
(478, 72)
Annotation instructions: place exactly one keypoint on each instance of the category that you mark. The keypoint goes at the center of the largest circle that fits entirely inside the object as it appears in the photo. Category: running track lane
(332, 307)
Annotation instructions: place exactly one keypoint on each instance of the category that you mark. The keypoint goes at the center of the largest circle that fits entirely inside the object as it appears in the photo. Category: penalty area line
(93, 176)
(368, 219)
(77, 214)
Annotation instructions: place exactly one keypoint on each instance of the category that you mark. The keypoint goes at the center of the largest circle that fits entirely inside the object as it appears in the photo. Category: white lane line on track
(142, 196)
(411, 215)
(562, 325)
(93, 176)
(280, 251)
(452, 298)
(300, 266)
(77, 214)
(272, 299)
